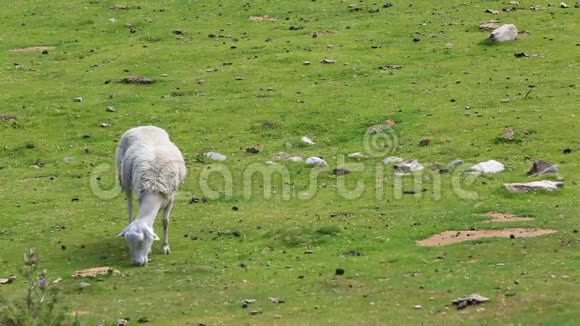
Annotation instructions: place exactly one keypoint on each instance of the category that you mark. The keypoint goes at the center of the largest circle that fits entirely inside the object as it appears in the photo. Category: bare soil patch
(6, 118)
(263, 18)
(92, 272)
(38, 48)
(450, 237)
(504, 217)
(137, 80)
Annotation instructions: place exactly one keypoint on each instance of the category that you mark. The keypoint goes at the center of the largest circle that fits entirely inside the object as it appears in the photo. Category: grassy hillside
(225, 82)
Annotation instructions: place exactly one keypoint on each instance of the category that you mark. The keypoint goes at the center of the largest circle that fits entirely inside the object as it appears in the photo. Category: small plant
(40, 304)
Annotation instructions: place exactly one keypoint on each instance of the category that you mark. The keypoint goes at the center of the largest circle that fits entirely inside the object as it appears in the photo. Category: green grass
(291, 248)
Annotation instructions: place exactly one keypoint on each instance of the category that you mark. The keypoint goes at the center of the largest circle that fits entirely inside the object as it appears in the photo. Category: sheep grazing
(151, 167)
(507, 32)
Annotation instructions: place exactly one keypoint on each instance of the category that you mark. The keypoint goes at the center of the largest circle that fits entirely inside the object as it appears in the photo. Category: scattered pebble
(111, 109)
(215, 156)
(77, 99)
(472, 299)
(328, 61)
(316, 161)
(392, 159)
(307, 140)
(84, 285)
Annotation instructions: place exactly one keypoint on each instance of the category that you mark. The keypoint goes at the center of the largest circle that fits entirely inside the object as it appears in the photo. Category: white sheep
(151, 167)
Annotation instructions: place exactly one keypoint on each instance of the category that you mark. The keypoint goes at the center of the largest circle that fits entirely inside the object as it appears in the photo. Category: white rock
(313, 160)
(270, 162)
(112, 20)
(534, 185)
(104, 125)
(215, 156)
(357, 155)
(68, 159)
(84, 285)
(410, 165)
(295, 159)
(507, 32)
(78, 99)
(490, 166)
(564, 5)
(307, 140)
(392, 159)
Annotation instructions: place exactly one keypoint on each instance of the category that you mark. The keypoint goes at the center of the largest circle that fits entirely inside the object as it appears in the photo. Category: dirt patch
(137, 80)
(6, 118)
(263, 18)
(120, 7)
(450, 237)
(92, 272)
(38, 48)
(504, 217)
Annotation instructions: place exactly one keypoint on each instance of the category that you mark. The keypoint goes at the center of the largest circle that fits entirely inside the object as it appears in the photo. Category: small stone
(392, 159)
(306, 63)
(84, 285)
(307, 140)
(215, 156)
(417, 306)
(111, 109)
(253, 150)
(328, 61)
(239, 78)
(78, 99)
(387, 5)
(122, 322)
(454, 163)
(540, 167)
(68, 159)
(143, 320)
(564, 5)
(315, 161)
(340, 171)
(425, 142)
(104, 125)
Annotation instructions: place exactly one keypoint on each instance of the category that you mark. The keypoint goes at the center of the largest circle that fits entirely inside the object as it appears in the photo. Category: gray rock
(78, 99)
(392, 159)
(541, 167)
(472, 299)
(111, 109)
(215, 156)
(315, 161)
(409, 166)
(507, 32)
(534, 185)
(68, 159)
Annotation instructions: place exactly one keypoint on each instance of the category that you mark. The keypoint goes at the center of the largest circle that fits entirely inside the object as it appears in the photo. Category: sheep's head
(140, 237)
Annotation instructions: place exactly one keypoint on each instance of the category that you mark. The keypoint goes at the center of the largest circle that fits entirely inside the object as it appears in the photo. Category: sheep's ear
(122, 233)
(152, 234)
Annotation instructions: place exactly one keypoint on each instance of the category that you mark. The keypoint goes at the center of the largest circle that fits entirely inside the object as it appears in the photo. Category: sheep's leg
(166, 212)
(129, 195)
